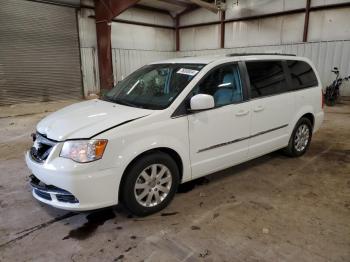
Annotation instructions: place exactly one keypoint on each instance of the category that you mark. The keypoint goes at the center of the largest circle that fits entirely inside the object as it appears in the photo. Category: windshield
(153, 86)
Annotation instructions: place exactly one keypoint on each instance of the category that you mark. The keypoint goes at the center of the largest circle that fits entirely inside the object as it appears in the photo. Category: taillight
(322, 95)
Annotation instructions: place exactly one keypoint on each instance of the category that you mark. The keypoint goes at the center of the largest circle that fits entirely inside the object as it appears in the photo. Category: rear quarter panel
(309, 100)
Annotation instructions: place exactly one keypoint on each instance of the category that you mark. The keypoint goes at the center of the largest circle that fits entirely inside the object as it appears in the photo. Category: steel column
(105, 11)
(177, 33)
(222, 29)
(306, 22)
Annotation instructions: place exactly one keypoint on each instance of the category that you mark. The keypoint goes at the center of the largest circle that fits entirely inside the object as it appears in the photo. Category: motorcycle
(332, 93)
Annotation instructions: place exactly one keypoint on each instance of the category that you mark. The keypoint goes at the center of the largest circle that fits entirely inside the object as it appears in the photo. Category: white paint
(202, 102)
(97, 184)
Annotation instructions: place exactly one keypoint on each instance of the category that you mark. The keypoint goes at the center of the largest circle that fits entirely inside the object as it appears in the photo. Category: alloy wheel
(302, 137)
(153, 185)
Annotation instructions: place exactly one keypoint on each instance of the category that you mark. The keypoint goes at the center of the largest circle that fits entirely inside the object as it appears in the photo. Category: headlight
(83, 151)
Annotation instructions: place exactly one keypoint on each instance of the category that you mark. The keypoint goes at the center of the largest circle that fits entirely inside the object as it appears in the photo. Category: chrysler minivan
(171, 122)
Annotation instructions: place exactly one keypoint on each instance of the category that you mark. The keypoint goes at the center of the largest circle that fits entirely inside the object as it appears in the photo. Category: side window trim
(287, 75)
(245, 81)
(181, 110)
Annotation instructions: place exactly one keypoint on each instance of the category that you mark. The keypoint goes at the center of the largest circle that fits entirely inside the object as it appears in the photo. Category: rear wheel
(300, 139)
(150, 184)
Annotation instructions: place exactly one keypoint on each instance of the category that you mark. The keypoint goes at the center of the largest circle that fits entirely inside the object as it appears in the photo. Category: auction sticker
(186, 71)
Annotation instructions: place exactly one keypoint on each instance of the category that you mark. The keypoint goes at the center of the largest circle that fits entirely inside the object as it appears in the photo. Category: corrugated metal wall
(134, 46)
(126, 61)
(325, 56)
(90, 72)
(326, 25)
(88, 52)
(39, 53)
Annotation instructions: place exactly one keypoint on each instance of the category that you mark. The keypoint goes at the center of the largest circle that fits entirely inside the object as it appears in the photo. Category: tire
(152, 175)
(295, 149)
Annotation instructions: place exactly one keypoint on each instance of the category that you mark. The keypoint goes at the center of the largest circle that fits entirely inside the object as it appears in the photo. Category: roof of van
(212, 58)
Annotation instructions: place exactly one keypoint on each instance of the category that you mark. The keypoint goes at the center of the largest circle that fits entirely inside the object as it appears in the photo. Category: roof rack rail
(248, 54)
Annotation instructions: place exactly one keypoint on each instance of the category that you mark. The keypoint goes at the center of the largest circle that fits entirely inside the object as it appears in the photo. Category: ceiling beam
(151, 8)
(108, 9)
(180, 3)
(188, 10)
(209, 6)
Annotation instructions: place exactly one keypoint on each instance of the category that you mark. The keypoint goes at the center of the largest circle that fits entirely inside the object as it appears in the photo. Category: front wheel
(300, 139)
(150, 184)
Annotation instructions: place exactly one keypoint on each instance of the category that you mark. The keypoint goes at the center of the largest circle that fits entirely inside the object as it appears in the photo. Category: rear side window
(302, 74)
(266, 78)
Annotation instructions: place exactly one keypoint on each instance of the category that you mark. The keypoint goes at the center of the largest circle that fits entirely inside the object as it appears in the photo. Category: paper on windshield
(189, 72)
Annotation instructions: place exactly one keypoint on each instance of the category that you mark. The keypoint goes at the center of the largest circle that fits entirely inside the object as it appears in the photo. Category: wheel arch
(166, 150)
(305, 111)
(309, 116)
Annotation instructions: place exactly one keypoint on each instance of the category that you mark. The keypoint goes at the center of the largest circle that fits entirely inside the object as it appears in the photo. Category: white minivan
(171, 122)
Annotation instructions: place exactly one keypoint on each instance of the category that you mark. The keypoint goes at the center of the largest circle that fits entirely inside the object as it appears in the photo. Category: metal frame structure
(107, 10)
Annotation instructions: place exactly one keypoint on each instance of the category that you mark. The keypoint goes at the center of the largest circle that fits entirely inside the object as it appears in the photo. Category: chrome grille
(41, 148)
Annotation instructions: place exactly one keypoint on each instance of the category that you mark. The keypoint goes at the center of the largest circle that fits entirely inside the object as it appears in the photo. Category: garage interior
(57, 52)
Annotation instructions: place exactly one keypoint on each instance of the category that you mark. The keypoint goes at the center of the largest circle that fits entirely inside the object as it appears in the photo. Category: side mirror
(201, 102)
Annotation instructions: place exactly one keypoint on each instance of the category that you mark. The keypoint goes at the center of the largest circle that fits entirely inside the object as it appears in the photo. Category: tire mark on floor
(33, 229)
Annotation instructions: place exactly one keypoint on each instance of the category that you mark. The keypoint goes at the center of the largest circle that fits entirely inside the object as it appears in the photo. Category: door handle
(258, 108)
(242, 112)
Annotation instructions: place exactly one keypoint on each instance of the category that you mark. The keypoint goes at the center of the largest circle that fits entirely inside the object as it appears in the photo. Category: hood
(86, 119)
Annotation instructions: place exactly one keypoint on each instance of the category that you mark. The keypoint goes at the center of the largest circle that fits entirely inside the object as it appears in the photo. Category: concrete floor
(270, 209)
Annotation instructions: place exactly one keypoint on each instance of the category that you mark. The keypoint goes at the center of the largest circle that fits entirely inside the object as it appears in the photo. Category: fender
(139, 147)
(135, 138)
(308, 109)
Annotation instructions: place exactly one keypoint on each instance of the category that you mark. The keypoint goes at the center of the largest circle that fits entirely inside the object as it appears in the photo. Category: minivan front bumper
(92, 188)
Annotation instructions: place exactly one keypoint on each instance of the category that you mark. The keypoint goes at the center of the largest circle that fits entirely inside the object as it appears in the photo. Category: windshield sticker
(188, 72)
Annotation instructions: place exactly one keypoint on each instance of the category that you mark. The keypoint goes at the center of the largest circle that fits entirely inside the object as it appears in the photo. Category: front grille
(41, 148)
(42, 194)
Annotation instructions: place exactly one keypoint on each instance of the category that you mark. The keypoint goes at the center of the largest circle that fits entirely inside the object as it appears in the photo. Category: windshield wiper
(125, 103)
(122, 102)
